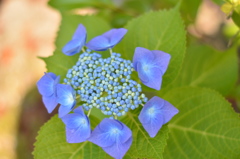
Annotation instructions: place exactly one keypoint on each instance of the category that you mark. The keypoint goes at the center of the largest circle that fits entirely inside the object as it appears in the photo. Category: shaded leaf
(51, 143)
(206, 126)
(206, 67)
(236, 18)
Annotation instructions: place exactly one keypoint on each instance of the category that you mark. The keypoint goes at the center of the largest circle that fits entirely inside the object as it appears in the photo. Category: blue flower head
(150, 65)
(106, 40)
(114, 137)
(106, 84)
(47, 88)
(78, 41)
(66, 96)
(77, 126)
(155, 113)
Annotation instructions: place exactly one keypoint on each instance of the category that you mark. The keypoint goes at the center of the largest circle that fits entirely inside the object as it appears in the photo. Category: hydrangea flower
(78, 41)
(155, 113)
(114, 137)
(66, 96)
(47, 88)
(106, 40)
(106, 84)
(77, 126)
(150, 65)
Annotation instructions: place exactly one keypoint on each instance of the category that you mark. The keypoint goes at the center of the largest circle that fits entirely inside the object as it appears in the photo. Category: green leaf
(51, 143)
(160, 30)
(72, 4)
(206, 67)
(189, 9)
(59, 63)
(206, 126)
(236, 18)
(143, 146)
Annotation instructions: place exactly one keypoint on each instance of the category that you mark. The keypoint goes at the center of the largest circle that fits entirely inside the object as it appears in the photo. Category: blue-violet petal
(155, 113)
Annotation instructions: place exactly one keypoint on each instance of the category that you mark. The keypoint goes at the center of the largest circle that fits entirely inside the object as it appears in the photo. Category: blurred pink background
(27, 30)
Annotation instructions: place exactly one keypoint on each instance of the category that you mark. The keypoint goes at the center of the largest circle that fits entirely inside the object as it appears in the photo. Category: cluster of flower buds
(106, 84)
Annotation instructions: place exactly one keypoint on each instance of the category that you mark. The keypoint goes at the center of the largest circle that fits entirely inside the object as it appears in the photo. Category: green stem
(83, 49)
(89, 112)
(110, 51)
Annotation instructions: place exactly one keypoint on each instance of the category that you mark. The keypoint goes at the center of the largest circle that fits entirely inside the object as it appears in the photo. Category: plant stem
(110, 51)
(89, 112)
(83, 50)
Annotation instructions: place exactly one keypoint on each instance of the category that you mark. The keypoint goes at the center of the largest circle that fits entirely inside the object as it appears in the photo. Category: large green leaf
(189, 9)
(160, 30)
(206, 67)
(236, 18)
(60, 63)
(206, 126)
(51, 142)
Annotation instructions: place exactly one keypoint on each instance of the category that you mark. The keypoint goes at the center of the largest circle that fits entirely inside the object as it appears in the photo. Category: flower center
(151, 111)
(105, 83)
(70, 99)
(83, 121)
(115, 131)
(146, 68)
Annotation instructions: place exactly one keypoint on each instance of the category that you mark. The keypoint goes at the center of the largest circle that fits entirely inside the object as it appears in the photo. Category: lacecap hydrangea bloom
(106, 84)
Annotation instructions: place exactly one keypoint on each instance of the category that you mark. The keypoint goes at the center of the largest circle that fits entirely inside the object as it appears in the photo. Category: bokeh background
(28, 29)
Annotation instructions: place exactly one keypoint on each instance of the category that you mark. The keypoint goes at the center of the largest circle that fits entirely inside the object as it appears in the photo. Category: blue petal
(109, 132)
(103, 137)
(80, 33)
(115, 35)
(168, 111)
(99, 43)
(64, 110)
(65, 94)
(143, 56)
(50, 102)
(72, 47)
(78, 135)
(118, 150)
(155, 113)
(52, 75)
(154, 126)
(161, 60)
(124, 133)
(46, 85)
(149, 75)
(107, 124)
(78, 41)
(75, 119)
(72, 121)
(79, 110)
(107, 40)
(141, 73)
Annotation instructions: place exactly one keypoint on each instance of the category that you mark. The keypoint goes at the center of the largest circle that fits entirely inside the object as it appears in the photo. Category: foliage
(195, 82)
(206, 127)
